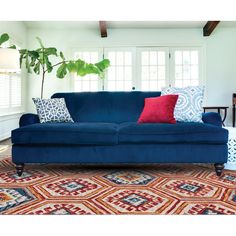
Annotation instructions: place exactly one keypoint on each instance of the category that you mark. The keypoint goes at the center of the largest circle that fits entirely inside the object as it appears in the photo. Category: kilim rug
(155, 189)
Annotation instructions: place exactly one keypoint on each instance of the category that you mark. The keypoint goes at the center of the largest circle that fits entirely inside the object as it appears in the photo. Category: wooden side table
(218, 108)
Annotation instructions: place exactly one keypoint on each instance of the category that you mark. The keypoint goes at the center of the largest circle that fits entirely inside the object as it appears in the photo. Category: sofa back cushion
(115, 107)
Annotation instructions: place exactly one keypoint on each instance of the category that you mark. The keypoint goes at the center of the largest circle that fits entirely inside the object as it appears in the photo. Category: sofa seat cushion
(67, 133)
(181, 132)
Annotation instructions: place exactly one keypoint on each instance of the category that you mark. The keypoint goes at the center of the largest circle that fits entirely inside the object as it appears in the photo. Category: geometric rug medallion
(93, 190)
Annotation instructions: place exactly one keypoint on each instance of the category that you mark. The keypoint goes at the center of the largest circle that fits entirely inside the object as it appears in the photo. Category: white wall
(18, 33)
(220, 51)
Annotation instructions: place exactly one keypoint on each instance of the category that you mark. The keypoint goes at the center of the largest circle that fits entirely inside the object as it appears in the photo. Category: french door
(142, 68)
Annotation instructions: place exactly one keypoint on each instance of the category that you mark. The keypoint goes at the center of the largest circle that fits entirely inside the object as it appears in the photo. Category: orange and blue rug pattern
(154, 189)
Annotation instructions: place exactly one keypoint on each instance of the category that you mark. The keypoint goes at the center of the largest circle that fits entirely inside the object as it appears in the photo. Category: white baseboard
(230, 166)
(5, 136)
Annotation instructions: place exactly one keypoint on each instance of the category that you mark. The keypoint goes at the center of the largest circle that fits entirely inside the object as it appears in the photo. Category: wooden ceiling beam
(103, 28)
(209, 27)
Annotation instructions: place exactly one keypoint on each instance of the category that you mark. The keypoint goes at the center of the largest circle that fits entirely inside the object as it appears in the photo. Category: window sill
(10, 115)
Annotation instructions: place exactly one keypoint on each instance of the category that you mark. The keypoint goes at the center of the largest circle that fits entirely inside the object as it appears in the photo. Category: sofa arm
(212, 118)
(28, 119)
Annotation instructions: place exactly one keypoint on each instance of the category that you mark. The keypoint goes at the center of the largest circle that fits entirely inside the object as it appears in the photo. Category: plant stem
(42, 83)
(57, 64)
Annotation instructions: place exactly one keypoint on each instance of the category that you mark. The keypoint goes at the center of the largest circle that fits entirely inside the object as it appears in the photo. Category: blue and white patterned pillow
(52, 110)
(189, 105)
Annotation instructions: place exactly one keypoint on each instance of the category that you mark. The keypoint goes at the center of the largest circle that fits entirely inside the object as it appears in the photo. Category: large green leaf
(62, 56)
(37, 68)
(33, 54)
(50, 51)
(27, 64)
(40, 42)
(22, 55)
(32, 63)
(102, 65)
(91, 69)
(71, 67)
(4, 38)
(12, 46)
(48, 64)
(61, 71)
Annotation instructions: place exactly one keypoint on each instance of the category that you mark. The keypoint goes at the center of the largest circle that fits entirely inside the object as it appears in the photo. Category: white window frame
(136, 60)
(100, 57)
(133, 55)
(200, 64)
(139, 63)
(11, 110)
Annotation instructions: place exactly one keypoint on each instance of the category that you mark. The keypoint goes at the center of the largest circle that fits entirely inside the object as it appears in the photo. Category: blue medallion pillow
(189, 105)
(52, 110)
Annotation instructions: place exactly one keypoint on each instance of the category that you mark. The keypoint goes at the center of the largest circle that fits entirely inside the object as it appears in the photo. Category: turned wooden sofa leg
(219, 168)
(20, 169)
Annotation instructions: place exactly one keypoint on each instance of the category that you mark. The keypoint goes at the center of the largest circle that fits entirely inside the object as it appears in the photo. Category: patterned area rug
(155, 189)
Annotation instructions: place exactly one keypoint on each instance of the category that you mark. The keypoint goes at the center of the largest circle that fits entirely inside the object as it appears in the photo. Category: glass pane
(178, 72)
(145, 73)
(161, 72)
(111, 85)
(119, 58)
(153, 73)
(85, 85)
(94, 57)
(186, 83)
(178, 83)
(112, 57)
(94, 85)
(194, 57)
(186, 57)
(15, 91)
(119, 73)
(77, 86)
(161, 84)
(178, 58)
(145, 85)
(119, 85)
(194, 82)
(111, 73)
(161, 58)
(128, 85)
(128, 58)
(145, 59)
(153, 85)
(128, 73)
(4, 91)
(153, 58)
(186, 72)
(86, 56)
(194, 72)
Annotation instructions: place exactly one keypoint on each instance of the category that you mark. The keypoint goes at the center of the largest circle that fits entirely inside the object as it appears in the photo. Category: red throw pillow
(159, 110)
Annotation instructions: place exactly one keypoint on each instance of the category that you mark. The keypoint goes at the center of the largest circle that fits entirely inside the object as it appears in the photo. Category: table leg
(225, 114)
(233, 115)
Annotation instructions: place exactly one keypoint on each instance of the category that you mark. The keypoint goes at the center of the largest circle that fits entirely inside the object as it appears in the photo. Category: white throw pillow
(52, 110)
(189, 105)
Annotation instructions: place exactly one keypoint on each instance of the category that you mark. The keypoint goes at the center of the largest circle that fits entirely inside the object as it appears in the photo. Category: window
(120, 72)
(143, 68)
(153, 68)
(10, 92)
(88, 82)
(186, 67)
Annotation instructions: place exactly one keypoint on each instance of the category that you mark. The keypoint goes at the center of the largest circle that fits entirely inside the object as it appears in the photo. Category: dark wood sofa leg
(219, 168)
(20, 169)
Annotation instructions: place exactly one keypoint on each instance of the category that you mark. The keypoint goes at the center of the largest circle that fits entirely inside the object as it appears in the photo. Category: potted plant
(38, 61)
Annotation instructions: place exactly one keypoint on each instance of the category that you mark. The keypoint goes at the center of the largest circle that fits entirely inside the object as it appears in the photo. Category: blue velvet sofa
(106, 131)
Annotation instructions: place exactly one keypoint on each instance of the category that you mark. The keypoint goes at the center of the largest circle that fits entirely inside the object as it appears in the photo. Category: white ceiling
(122, 24)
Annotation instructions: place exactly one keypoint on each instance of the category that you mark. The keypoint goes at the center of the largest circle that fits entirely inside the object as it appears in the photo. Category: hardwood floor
(5, 148)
